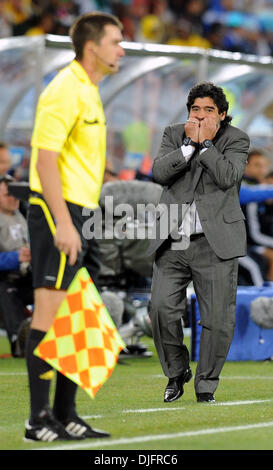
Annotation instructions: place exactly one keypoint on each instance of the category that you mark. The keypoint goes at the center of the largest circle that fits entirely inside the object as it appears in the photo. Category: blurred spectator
(217, 11)
(140, 8)
(161, 9)
(256, 193)
(215, 35)
(45, 24)
(5, 26)
(243, 30)
(144, 20)
(265, 17)
(269, 178)
(137, 10)
(186, 37)
(5, 159)
(123, 13)
(177, 6)
(102, 5)
(260, 243)
(257, 167)
(255, 36)
(244, 26)
(66, 12)
(193, 12)
(18, 13)
(236, 38)
(18, 10)
(109, 174)
(151, 30)
(267, 219)
(15, 276)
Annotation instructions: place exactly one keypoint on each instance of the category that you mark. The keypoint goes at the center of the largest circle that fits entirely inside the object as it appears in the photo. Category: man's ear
(89, 46)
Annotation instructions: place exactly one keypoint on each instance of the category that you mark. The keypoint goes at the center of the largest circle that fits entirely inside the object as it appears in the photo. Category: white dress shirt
(191, 223)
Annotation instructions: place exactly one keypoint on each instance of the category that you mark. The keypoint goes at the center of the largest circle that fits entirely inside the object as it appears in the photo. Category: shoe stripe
(40, 434)
(50, 436)
(82, 430)
(75, 428)
(70, 427)
(53, 437)
(46, 435)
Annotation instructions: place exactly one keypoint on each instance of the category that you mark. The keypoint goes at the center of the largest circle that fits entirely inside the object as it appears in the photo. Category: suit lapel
(196, 172)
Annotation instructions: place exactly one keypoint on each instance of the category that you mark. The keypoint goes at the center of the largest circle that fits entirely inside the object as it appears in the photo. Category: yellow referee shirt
(70, 120)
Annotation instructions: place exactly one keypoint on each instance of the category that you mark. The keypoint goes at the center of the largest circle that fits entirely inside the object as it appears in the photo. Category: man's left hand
(208, 129)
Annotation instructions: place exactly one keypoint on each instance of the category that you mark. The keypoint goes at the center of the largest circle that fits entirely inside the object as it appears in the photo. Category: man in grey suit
(198, 236)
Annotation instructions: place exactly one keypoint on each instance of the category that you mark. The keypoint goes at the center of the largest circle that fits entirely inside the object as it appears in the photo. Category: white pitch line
(229, 377)
(92, 416)
(13, 373)
(150, 410)
(141, 410)
(101, 443)
(242, 402)
(247, 377)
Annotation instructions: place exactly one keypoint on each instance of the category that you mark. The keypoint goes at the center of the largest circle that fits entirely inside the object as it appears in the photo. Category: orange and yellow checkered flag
(83, 342)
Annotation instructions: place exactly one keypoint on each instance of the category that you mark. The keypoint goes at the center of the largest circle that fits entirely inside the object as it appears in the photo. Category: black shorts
(50, 267)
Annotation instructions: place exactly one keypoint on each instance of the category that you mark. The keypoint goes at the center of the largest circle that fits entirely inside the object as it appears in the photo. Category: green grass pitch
(130, 406)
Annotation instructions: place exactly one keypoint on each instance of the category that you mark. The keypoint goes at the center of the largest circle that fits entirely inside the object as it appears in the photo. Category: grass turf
(137, 385)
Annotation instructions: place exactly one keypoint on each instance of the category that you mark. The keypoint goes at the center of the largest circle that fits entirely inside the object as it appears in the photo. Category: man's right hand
(192, 129)
(24, 254)
(68, 240)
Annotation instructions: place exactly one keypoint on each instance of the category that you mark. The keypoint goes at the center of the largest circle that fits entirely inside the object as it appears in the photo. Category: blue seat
(250, 341)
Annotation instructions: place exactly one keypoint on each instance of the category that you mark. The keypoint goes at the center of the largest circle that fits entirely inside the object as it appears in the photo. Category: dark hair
(90, 27)
(208, 89)
(256, 153)
(269, 175)
(3, 145)
(7, 178)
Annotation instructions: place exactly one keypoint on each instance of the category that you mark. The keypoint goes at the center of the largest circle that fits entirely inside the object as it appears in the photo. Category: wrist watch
(188, 141)
(206, 144)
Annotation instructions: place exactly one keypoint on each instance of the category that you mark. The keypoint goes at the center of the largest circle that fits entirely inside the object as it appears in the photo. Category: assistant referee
(66, 173)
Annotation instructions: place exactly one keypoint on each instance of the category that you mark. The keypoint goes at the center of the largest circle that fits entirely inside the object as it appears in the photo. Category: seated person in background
(256, 193)
(267, 220)
(257, 168)
(5, 160)
(109, 173)
(15, 276)
(6, 168)
(260, 243)
(249, 270)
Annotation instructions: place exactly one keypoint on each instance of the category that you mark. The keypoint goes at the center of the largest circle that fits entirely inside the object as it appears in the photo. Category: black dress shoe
(174, 389)
(205, 398)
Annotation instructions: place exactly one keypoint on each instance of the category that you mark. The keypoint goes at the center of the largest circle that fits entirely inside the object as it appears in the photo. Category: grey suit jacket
(212, 180)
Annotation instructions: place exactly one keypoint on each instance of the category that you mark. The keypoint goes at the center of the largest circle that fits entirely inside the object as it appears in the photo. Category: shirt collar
(77, 68)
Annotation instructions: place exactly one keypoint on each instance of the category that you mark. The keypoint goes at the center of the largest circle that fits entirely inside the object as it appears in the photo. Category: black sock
(64, 406)
(38, 376)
